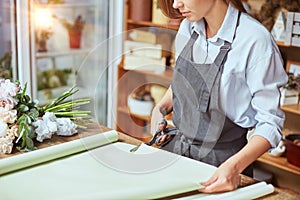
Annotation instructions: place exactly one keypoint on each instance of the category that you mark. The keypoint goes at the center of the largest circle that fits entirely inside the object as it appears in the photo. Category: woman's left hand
(226, 178)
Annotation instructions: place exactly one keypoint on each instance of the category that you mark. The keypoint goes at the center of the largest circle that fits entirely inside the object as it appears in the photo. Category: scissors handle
(157, 136)
(161, 126)
(152, 141)
(167, 131)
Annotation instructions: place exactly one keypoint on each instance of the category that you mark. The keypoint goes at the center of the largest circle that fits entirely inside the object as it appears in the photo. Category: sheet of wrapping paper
(57, 151)
(108, 172)
(250, 192)
(113, 172)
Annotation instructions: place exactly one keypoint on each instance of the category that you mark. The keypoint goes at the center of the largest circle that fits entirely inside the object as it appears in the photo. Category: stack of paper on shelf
(143, 49)
(143, 56)
(142, 36)
(288, 96)
(148, 64)
(293, 29)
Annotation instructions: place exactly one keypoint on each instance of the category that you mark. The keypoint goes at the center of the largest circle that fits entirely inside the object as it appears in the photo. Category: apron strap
(189, 46)
(222, 56)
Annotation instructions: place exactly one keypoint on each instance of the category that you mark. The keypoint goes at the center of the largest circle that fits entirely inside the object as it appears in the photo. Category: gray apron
(203, 131)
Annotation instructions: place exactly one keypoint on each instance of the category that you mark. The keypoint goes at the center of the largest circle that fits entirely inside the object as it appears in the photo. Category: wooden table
(94, 128)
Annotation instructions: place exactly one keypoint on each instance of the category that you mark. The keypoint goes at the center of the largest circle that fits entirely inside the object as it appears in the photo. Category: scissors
(161, 130)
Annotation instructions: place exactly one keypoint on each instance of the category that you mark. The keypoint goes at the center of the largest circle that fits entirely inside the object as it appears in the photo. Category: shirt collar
(227, 30)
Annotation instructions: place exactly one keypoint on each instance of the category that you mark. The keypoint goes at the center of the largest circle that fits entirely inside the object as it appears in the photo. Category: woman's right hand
(165, 105)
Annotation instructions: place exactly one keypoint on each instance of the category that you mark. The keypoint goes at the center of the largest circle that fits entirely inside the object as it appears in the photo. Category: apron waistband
(218, 145)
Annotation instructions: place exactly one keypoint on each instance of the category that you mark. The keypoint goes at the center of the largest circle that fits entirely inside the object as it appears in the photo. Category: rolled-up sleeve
(264, 79)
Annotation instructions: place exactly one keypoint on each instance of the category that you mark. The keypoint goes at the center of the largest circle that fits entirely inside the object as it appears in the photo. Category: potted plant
(290, 92)
(41, 38)
(74, 30)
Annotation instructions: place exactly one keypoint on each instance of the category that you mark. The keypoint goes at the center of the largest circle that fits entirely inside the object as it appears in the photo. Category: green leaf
(29, 143)
(23, 108)
(24, 91)
(27, 98)
(23, 144)
(34, 113)
(61, 98)
(20, 120)
(28, 119)
(36, 102)
(31, 133)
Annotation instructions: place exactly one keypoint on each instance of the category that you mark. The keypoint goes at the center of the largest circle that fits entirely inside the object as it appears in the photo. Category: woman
(226, 81)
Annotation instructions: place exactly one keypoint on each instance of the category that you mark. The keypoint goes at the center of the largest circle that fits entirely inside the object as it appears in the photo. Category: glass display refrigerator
(7, 40)
(54, 45)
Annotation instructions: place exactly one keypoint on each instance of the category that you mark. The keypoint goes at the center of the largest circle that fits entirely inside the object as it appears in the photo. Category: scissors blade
(134, 149)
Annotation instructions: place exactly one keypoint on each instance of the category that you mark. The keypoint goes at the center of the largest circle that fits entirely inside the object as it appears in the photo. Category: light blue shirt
(253, 71)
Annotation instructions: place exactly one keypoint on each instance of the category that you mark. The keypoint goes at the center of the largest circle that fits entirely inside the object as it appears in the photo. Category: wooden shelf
(129, 80)
(135, 125)
(279, 162)
(167, 75)
(66, 5)
(282, 44)
(292, 108)
(127, 111)
(62, 53)
(150, 24)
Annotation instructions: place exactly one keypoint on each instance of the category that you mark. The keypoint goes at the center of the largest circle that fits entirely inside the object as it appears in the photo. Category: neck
(215, 18)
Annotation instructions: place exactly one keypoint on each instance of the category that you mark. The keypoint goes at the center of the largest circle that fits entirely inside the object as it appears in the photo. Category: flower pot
(140, 10)
(293, 149)
(75, 38)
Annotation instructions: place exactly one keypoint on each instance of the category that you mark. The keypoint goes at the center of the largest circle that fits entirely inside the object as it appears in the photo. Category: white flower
(50, 120)
(6, 145)
(12, 132)
(7, 88)
(66, 127)
(46, 127)
(3, 128)
(8, 101)
(51, 125)
(42, 131)
(7, 115)
(6, 140)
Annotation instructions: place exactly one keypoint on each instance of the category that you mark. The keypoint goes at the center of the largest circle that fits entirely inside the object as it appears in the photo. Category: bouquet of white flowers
(22, 120)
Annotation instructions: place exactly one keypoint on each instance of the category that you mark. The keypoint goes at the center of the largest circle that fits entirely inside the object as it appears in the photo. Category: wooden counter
(92, 129)
(95, 129)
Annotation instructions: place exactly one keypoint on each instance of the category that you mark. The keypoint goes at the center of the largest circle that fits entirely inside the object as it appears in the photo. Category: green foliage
(53, 78)
(28, 112)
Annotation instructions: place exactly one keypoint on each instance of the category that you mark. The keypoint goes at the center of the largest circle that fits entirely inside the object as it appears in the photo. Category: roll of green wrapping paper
(113, 172)
(21, 161)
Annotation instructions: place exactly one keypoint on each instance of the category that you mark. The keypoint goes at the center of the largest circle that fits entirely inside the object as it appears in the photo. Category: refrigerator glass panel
(7, 40)
(68, 48)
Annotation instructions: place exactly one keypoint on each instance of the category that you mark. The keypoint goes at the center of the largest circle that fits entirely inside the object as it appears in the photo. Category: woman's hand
(165, 105)
(226, 178)
(164, 138)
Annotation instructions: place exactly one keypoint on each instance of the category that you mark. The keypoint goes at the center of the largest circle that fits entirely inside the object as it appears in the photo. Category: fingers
(218, 187)
(164, 138)
(219, 184)
(210, 181)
